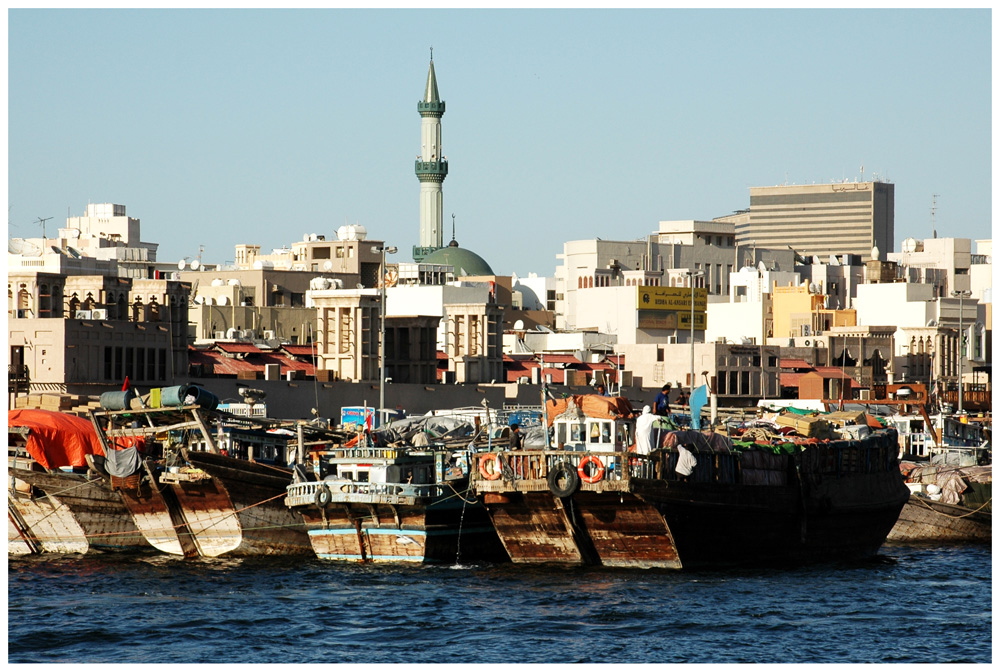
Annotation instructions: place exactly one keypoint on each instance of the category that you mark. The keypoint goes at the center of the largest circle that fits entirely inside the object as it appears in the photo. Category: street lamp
(381, 344)
(962, 295)
(691, 276)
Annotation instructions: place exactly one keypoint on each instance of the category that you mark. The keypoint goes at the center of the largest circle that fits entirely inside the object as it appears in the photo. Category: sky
(223, 127)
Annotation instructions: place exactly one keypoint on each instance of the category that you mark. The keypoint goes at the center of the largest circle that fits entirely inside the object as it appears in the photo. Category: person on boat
(644, 431)
(601, 391)
(661, 405)
(515, 437)
(682, 399)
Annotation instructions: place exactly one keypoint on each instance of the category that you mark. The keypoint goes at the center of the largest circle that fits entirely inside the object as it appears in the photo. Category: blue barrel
(177, 396)
(173, 396)
(117, 401)
(203, 397)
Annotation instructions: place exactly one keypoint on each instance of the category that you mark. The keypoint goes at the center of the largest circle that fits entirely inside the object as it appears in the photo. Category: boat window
(600, 432)
(560, 435)
(362, 477)
(624, 438)
(576, 433)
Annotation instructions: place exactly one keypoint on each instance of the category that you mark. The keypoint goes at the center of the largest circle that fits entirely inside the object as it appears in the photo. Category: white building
(953, 255)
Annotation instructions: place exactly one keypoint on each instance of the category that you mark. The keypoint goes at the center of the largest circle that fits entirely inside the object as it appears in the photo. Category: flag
(125, 385)
(699, 397)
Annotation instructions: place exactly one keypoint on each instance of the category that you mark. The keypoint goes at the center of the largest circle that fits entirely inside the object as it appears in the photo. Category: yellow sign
(671, 298)
(666, 319)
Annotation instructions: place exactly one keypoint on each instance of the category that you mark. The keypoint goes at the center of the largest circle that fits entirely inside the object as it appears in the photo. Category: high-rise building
(821, 219)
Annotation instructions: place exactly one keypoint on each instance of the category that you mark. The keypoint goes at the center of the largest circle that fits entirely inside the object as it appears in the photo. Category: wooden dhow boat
(392, 505)
(188, 498)
(594, 501)
(54, 504)
(947, 504)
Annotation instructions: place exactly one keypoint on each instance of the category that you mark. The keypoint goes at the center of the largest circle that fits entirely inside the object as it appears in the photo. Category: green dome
(465, 262)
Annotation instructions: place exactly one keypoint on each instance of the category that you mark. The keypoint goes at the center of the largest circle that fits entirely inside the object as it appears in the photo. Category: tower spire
(431, 167)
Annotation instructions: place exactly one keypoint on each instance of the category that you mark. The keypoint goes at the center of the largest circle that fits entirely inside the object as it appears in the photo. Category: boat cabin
(592, 434)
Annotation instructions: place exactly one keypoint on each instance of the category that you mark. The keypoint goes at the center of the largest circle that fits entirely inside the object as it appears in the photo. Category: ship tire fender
(561, 470)
(323, 496)
(484, 461)
(595, 476)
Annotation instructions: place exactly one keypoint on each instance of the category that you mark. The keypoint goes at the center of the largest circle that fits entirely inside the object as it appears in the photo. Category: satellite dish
(813, 288)
(195, 264)
(181, 264)
(223, 300)
(518, 325)
(327, 266)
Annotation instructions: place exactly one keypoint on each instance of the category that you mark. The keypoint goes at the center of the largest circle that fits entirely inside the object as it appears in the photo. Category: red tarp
(57, 439)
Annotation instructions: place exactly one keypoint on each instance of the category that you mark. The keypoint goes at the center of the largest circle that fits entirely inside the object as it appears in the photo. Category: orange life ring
(594, 477)
(484, 460)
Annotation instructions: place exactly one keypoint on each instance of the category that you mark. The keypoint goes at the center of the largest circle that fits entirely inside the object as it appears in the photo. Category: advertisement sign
(671, 298)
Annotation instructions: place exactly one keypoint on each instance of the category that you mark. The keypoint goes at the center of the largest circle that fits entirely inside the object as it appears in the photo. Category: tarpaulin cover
(57, 439)
(592, 405)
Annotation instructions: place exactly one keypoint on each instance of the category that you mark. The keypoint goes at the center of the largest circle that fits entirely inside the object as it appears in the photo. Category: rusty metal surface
(158, 517)
(534, 528)
(625, 531)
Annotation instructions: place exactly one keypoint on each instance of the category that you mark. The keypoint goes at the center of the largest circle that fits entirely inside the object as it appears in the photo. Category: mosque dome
(465, 262)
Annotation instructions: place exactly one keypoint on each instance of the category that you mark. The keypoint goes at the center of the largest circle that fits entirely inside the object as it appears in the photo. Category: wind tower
(431, 168)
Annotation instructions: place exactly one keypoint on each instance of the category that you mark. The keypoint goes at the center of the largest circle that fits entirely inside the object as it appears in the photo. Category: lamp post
(691, 276)
(962, 295)
(381, 344)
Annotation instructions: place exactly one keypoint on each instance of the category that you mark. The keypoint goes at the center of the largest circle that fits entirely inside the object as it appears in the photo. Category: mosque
(431, 169)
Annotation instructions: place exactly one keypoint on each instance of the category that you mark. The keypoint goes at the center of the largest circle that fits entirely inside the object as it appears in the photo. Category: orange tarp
(57, 439)
(592, 405)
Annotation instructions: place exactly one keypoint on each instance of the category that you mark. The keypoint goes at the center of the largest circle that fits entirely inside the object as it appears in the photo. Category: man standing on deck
(644, 432)
(515, 437)
(661, 405)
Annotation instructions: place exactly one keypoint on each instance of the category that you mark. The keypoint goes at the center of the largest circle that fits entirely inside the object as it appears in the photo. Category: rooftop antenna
(933, 213)
(42, 220)
(432, 53)
(453, 226)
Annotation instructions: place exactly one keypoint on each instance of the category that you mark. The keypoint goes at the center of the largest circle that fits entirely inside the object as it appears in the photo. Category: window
(321, 252)
(659, 354)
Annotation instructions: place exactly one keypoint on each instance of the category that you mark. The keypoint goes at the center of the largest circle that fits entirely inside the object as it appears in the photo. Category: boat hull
(42, 525)
(240, 511)
(98, 510)
(387, 528)
(591, 527)
(926, 521)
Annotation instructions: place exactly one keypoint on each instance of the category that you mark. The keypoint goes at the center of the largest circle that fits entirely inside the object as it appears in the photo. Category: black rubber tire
(566, 474)
(323, 497)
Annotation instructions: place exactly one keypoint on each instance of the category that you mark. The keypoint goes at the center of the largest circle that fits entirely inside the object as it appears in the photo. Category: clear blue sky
(237, 126)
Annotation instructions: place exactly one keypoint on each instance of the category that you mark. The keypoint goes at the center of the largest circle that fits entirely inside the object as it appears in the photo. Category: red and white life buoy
(596, 474)
(489, 466)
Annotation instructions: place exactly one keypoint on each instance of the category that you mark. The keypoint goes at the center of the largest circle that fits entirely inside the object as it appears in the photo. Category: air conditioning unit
(864, 395)
(268, 335)
(672, 339)
(219, 335)
(99, 314)
(83, 315)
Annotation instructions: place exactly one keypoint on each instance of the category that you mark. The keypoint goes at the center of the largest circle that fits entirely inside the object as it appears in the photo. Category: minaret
(431, 168)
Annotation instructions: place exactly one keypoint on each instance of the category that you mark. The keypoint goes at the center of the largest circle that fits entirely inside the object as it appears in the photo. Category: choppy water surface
(909, 605)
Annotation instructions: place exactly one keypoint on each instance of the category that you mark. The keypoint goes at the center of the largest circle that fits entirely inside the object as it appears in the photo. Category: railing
(302, 494)
(528, 465)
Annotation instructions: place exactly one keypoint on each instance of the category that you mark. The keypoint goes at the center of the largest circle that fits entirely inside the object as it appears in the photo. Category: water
(911, 604)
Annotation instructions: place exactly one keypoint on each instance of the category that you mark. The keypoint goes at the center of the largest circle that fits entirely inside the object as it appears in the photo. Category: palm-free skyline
(220, 127)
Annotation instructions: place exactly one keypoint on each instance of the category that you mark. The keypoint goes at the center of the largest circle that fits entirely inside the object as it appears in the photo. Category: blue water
(909, 605)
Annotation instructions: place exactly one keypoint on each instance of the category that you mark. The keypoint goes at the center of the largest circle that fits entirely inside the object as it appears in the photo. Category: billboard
(670, 308)
(671, 298)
